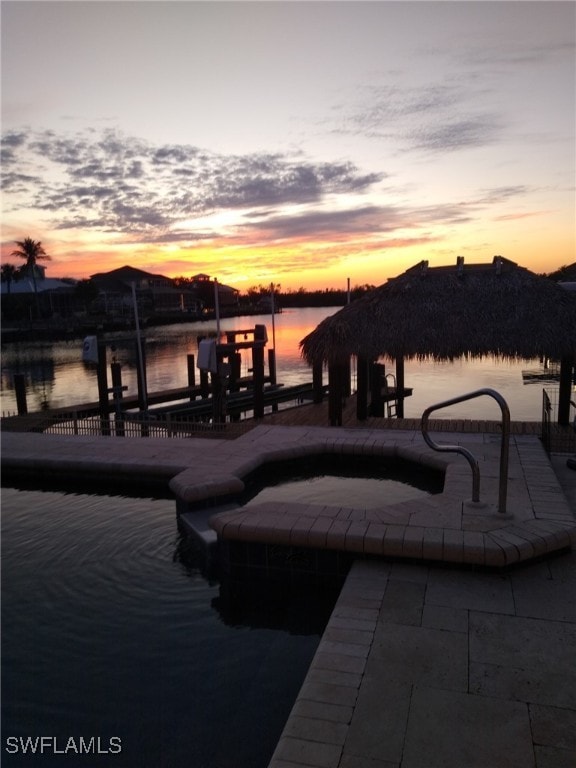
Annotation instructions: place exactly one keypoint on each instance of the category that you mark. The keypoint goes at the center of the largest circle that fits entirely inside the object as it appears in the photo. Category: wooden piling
(317, 383)
(272, 365)
(362, 385)
(377, 376)
(102, 378)
(191, 373)
(335, 394)
(20, 391)
(258, 374)
(400, 387)
(116, 371)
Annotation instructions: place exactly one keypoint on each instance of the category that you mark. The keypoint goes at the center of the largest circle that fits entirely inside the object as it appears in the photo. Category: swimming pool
(112, 632)
(333, 479)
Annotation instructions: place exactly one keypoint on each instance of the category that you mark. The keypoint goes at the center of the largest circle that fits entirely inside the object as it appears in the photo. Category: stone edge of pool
(444, 527)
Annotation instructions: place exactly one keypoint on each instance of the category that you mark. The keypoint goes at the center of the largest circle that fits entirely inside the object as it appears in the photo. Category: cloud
(281, 208)
(431, 118)
(497, 195)
(369, 220)
(454, 135)
(115, 183)
(319, 223)
(515, 216)
(496, 58)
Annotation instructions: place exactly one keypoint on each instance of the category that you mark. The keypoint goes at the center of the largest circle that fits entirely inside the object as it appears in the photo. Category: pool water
(331, 490)
(111, 630)
(366, 482)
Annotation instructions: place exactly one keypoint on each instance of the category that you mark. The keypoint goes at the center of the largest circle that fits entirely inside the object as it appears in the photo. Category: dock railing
(504, 445)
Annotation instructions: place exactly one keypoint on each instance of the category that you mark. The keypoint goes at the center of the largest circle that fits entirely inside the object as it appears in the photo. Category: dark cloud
(257, 181)
(334, 225)
(11, 141)
(313, 223)
(18, 182)
(13, 138)
(117, 183)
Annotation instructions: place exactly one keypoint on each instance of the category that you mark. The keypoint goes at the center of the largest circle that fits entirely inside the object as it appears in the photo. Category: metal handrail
(391, 405)
(504, 445)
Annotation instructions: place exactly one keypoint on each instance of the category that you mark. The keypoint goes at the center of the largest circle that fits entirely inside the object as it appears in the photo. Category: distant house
(154, 293)
(54, 296)
(202, 286)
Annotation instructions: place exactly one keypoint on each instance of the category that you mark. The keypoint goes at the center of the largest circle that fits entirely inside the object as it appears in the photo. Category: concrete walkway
(433, 667)
(429, 667)
(421, 665)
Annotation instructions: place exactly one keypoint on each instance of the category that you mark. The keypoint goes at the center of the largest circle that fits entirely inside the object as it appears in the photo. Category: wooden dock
(183, 411)
(317, 415)
(305, 414)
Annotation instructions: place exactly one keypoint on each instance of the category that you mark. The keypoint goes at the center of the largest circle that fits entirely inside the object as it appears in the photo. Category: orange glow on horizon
(295, 263)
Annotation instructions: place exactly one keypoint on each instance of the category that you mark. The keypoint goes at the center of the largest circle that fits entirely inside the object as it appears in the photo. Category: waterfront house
(155, 294)
(202, 286)
(24, 296)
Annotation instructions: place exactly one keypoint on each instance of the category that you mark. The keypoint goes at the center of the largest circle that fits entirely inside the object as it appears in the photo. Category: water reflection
(276, 605)
(57, 377)
(110, 628)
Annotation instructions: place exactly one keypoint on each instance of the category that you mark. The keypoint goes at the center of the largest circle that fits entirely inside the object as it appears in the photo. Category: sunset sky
(302, 143)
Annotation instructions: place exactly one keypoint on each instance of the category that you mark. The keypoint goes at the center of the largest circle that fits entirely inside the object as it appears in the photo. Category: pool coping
(445, 527)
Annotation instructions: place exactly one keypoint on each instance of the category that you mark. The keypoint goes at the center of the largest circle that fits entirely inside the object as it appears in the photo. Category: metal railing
(137, 425)
(504, 445)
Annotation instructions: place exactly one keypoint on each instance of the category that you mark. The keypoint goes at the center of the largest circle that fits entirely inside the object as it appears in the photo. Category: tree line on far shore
(305, 297)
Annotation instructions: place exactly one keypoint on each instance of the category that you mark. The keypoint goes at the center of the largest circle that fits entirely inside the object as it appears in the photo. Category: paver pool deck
(453, 641)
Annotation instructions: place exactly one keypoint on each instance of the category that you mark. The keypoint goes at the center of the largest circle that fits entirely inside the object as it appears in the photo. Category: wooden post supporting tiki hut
(493, 309)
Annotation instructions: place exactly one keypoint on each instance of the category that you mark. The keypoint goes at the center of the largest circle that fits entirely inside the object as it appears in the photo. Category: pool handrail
(504, 444)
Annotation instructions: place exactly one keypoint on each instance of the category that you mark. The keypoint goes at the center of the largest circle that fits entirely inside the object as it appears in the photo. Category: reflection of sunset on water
(56, 373)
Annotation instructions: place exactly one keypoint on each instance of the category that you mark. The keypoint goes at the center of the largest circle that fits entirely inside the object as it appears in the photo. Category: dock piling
(191, 373)
(20, 390)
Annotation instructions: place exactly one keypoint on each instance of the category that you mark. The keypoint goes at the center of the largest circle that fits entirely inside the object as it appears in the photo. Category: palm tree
(9, 275)
(32, 251)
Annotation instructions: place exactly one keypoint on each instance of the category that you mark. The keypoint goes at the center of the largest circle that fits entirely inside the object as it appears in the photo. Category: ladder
(391, 405)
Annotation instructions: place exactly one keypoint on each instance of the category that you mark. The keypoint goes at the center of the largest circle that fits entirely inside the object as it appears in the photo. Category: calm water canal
(57, 377)
(112, 634)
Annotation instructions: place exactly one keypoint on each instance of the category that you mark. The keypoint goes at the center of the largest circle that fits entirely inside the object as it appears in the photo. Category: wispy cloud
(497, 195)
(451, 135)
(117, 183)
(515, 216)
(432, 117)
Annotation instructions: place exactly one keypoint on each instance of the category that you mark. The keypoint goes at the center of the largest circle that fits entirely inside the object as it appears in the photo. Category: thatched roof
(475, 310)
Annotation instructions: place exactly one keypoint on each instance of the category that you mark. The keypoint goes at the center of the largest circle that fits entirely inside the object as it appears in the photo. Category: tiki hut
(444, 313)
